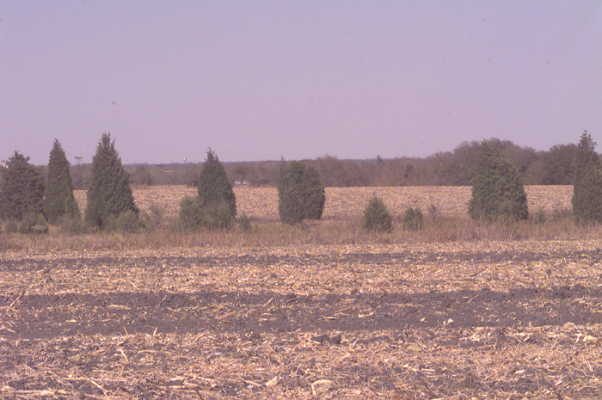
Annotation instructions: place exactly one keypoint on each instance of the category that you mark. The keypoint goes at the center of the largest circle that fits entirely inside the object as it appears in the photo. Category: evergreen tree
(109, 194)
(413, 219)
(290, 193)
(497, 191)
(315, 195)
(215, 205)
(301, 193)
(214, 186)
(2, 172)
(22, 189)
(58, 198)
(587, 184)
(377, 217)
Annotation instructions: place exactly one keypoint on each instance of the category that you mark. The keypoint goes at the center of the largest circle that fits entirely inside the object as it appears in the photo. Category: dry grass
(328, 232)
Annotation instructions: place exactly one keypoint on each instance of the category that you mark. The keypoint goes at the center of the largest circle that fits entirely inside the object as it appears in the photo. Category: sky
(265, 79)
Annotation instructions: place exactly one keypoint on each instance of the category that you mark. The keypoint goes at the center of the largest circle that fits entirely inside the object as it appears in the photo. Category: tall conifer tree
(300, 193)
(497, 191)
(215, 205)
(315, 195)
(58, 198)
(214, 186)
(22, 189)
(587, 185)
(109, 193)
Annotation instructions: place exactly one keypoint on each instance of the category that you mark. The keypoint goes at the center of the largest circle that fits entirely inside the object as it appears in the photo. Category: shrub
(58, 197)
(12, 226)
(587, 186)
(195, 215)
(127, 221)
(72, 225)
(497, 192)
(154, 218)
(539, 217)
(560, 214)
(22, 189)
(109, 194)
(377, 217)
(300, 193)
(216, 216)
(33, 223)
(412, 219)
(191, 213)
(244, 223)
(433, 211)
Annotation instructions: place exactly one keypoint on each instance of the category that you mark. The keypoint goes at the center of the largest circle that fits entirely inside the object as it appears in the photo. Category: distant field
(262, 202)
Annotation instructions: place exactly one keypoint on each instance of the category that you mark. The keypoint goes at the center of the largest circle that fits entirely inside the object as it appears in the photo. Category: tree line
(29, 200)
(452, 168)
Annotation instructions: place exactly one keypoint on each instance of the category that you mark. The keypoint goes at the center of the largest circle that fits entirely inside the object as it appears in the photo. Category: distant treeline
(453, 168)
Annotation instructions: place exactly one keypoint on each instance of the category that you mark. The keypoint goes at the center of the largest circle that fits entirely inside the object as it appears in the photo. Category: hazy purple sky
(258, 80)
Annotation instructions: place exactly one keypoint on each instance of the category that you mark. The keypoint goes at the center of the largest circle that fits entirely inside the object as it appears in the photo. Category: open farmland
(320, 311)
(498, 320)
(343, 203)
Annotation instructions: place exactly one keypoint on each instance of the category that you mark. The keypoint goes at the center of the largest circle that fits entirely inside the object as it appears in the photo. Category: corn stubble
(319, 310)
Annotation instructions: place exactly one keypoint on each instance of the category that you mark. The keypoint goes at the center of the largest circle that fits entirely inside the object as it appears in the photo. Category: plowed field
(497, 320)
(341, 203)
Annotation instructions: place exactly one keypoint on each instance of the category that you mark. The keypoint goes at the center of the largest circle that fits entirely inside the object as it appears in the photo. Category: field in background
(343, 203)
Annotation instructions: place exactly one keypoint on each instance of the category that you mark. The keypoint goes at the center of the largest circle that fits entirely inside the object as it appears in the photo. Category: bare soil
(506, 320)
